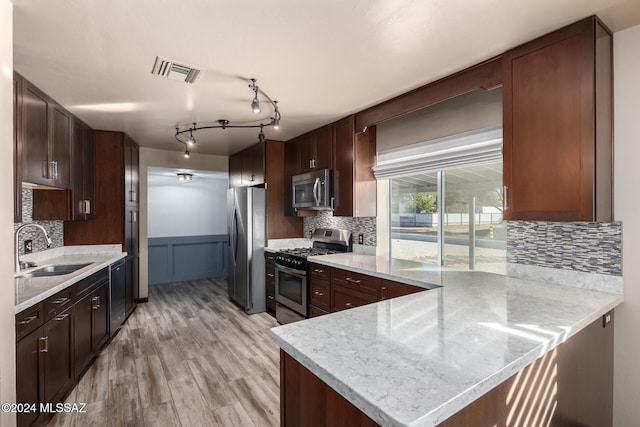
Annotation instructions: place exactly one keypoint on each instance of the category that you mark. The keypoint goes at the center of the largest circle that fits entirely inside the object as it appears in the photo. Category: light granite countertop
(30, 291)
(418, 359)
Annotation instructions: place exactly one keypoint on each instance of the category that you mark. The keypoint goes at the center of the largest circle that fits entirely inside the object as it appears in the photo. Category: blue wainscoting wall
(174, 259)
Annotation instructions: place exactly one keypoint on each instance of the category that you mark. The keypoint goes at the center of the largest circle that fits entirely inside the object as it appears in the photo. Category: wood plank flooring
(188, 358)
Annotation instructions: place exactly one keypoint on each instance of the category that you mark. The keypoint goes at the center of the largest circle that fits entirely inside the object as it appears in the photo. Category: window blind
(465, 149)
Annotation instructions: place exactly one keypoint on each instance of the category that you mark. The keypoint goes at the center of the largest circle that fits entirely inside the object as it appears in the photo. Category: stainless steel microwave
(312, 190)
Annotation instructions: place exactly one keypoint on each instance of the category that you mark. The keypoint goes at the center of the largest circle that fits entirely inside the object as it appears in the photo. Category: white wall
(7, 297)
(626, 399)
(150, 157)
(193, 208)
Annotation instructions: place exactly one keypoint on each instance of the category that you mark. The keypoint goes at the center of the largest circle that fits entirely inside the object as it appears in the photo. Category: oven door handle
(298, 273)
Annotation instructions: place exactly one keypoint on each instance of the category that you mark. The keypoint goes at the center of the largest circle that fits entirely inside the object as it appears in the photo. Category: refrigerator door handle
(235, 236)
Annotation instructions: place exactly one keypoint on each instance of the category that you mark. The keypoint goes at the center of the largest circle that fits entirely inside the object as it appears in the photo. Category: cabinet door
(100, 317)
(343, 298)
(257, 163)
(130, 171)
(392, 289)
(343, 144)
(59, 146)
(306, 145)
(89, 172)
(35, 108)
(235, 171)
(77, 171)
(290, 169)
(83, 352)
(324, 148)
(58, 372)
(131, 284)
(17, 147)
(549, 126)
(27, 375)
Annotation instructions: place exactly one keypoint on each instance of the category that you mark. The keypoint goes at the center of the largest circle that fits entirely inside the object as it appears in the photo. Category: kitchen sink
(53, 270)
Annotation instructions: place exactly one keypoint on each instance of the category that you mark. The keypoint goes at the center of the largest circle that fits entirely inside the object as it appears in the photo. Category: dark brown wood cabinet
(17, 147)
(354, 186)
(558, 126)
(116, 205)
(270, 281)
(268, 170)
(45, 139)
(247, 168)
(315, 150)
(82, 171)
(57, 339)
(334, 289)
(290, 169)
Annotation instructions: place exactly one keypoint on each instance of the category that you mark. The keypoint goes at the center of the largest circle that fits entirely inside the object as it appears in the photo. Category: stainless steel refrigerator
(246, 223)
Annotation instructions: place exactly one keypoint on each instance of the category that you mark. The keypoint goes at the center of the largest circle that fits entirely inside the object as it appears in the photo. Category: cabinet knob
(318, 293)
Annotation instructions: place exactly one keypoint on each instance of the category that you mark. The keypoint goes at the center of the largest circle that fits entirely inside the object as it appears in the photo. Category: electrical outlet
(361, 239)
(606, 319)
(28, 246)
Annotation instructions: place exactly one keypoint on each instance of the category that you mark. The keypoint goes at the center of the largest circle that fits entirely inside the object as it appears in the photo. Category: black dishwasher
(117, 276)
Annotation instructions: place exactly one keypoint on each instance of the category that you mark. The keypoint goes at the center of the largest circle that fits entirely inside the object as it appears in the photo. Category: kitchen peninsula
(481, 346)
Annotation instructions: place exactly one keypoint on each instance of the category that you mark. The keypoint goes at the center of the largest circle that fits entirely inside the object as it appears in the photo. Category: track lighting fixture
(184, 177)
(190, 141)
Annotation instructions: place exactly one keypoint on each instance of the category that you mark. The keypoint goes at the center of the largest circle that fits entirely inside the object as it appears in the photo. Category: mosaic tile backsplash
(54, 228)
(578, 246)
(325, 219)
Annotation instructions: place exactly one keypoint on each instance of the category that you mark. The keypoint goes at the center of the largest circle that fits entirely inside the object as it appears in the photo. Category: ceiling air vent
(167, 68)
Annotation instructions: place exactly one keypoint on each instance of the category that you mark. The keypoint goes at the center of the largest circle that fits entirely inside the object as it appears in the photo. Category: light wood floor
(187, 358)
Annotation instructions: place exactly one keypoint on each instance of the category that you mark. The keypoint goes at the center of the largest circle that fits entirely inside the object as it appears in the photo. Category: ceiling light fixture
(183, 177)
(224, 123)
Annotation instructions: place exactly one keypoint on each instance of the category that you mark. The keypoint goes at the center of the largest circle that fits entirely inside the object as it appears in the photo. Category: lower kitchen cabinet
(334, 289)
(57, 339)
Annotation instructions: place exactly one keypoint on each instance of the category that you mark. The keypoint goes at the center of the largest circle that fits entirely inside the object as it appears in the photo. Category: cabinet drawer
(270, 272)
(320, 295)
(344, 298)
(58, 303)
(322, 272)
(361, 282)
(85, 286)
(315, 311)
(28, 320)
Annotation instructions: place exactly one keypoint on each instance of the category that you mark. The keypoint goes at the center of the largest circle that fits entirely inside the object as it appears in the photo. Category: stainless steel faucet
(17, 247)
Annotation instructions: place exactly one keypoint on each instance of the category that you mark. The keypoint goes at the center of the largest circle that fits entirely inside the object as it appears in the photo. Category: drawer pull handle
(270, 297)
(45, 347)
(384, 294)
(60, 300)
(27, 320)
(96, 303)
(318, 293)
(270, 275)
(349, 279)
(61, 317)
(317, 270)
(348, 304)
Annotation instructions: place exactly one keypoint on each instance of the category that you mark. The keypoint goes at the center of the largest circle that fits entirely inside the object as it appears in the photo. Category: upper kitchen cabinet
(45, 139)
(354, 186)
(264, 164)
(82, 171)
(315, 150)
(17, 148)
(247, 168)
(557, 126)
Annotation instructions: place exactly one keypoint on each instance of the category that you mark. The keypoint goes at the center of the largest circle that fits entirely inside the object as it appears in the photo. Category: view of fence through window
(473, 234)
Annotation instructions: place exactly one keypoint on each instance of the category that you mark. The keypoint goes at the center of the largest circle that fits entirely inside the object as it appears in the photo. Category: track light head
(261, 136)
(186, 153)
(255, 105)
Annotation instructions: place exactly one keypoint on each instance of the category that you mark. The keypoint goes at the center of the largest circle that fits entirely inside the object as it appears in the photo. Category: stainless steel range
(292, 303)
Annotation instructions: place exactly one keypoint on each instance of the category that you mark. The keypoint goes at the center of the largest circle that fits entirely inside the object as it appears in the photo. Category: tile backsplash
(325, 219)
(579, 246)
(54, 228)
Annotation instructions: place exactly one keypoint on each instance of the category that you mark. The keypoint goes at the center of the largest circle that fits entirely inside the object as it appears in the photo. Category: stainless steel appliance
(117, 285)
(312, 190)
(246, 225)
(292, 291)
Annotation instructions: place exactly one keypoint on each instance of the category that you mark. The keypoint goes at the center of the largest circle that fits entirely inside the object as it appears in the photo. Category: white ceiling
(322, 60)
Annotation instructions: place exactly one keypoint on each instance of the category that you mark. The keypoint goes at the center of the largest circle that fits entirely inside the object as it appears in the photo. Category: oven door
(291, 289)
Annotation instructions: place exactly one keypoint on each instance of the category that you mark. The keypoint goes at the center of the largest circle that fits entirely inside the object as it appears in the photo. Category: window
(448, 212)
